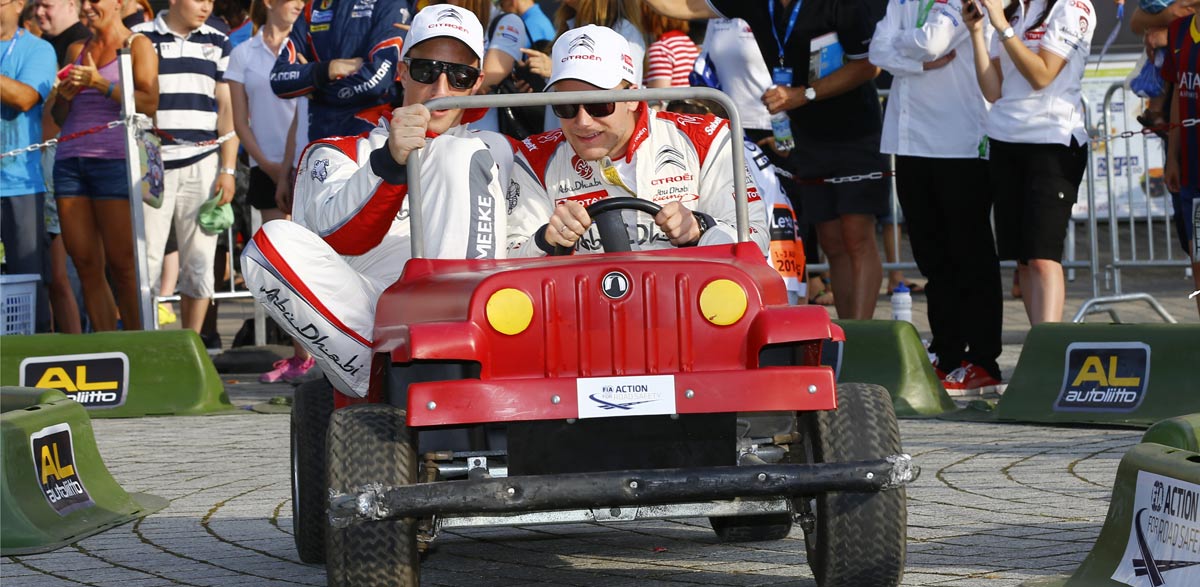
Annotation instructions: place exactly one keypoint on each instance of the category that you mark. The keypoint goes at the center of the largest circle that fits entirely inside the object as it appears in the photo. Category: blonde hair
(258, 13)
(601, 13)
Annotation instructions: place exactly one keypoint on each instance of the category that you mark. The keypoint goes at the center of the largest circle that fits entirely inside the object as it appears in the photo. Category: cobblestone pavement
(995, 505)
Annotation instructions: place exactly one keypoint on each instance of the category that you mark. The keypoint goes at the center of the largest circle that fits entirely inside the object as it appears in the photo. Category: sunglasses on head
(426, 71)
(569, 111)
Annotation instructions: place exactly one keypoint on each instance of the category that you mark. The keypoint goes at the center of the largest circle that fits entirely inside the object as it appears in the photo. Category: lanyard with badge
(780, 75)
(923, 12)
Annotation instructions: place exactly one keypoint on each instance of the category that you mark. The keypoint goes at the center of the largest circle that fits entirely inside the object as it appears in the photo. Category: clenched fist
(407, 133)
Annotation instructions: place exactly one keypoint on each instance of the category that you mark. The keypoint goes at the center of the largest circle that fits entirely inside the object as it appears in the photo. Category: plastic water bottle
(902, 303)
(781, 125)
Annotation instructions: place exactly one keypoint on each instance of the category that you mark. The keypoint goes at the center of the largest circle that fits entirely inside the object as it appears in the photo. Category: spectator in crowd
(1150, 20)
(623, 16)
(28, 21)
(344, 55)
(135, 12)
(59, 21)
(836, 123)
(261, 120)
(27, 67)
(194, 109)
(934, 126)
(1181, 68)
(503, 41)
(91, 185)
(1032, 74)
(236, 15)
(672, 54)
(536, 22)
(321, 276)
(664, 157)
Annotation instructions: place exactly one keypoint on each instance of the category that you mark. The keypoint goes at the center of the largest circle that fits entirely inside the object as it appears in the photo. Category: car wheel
(856, 539)
(752, 528)
(311, 406)
(371, 444)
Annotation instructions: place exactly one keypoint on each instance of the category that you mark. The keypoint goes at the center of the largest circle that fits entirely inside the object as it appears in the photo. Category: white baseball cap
(445, 20)
(593, 54)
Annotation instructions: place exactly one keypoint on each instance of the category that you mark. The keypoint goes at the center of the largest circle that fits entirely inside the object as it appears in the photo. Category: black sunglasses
(569, 111)
(426, 71)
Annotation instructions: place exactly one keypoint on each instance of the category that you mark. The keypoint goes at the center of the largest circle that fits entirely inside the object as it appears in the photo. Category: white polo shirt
(1054, 114)
(270, 116)
(731, 50)
(938, 113)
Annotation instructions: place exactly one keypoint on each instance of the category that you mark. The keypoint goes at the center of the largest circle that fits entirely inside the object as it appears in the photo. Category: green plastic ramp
(1149, 536)
(119, 374)
(1121, 374)
(890, 353)
(56, 489)
(1182, 432)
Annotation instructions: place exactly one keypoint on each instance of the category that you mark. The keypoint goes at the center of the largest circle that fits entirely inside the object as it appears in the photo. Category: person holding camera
(1032, 73)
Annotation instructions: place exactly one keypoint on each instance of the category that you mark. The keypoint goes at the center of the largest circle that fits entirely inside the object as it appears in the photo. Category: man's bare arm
(683, 9)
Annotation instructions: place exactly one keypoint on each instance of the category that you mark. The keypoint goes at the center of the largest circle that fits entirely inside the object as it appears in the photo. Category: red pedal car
(606, 388)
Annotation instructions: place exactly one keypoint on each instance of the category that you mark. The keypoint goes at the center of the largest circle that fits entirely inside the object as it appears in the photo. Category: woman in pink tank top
(90, 173)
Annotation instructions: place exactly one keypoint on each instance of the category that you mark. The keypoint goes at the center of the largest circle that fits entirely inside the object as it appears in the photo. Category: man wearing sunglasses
(679, 161)
(321, 275)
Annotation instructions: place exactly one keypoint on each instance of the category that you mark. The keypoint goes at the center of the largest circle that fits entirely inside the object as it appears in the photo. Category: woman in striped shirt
(672, 54)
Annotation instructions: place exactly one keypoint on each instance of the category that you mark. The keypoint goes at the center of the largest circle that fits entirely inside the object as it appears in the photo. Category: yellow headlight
(509, 311)
(723, 302)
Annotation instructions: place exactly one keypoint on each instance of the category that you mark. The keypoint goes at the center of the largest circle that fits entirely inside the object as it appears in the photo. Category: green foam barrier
(890, 353)
(1152, 524)
(56, 489)
(1181, 432)
(119, 374)
(1120, 374)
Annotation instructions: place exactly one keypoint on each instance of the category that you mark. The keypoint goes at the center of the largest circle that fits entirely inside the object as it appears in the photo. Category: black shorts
(1034, 187)
(822, 159)
(261, 194)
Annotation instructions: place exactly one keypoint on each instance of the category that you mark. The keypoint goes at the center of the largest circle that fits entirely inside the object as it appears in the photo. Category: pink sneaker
(285, 368)
(970, 380)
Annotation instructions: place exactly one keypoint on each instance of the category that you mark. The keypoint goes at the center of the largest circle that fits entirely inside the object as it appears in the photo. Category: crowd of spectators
(982, 89)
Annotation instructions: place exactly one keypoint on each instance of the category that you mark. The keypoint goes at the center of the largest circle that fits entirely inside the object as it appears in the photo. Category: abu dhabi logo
(582, 42)
(449, 14)
(1147, 566)
(668, 156)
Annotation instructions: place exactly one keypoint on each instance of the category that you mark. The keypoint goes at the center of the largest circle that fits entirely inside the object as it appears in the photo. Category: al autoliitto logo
(54, 466)
(96, 380)
(1104, 377)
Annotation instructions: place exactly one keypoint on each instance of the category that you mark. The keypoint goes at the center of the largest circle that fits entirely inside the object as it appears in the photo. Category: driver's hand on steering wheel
(406, 132)
(678, 223)
(569, 221)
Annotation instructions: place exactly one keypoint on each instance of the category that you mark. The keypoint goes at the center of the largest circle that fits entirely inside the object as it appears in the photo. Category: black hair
(1041, 17)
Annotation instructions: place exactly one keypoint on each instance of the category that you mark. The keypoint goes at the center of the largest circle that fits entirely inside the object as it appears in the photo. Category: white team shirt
(730, 47)
(270, 116)
(938, 113)
(509, 38)
(1053, 114)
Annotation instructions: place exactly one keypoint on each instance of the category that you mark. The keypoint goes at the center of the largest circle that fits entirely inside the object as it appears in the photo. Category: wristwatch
(228, 171)
(1007, 34)
(810, 93)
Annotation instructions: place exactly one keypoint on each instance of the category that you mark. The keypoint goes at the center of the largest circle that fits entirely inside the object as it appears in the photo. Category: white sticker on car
(607, 397)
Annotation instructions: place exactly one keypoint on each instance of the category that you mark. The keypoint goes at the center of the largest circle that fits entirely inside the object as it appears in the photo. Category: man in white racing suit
(321, 275)
(681, 162)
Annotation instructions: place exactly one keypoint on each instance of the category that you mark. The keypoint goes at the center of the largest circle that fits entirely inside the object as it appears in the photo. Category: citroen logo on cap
(448, 14)
(615, 285)
(583, 41)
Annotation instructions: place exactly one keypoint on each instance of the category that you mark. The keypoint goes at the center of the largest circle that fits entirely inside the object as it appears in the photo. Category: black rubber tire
(312, 405)
(859, 538)
(752, 528)
(370, 443)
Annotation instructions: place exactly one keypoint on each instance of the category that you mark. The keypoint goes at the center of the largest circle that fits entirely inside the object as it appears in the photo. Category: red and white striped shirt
(671, 57)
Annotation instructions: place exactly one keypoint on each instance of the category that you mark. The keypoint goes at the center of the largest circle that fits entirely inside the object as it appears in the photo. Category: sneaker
(166, 315)
(301, 371)
(283, 368)
(970, 379)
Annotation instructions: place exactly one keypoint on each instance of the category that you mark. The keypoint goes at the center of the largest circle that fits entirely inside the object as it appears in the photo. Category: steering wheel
(605, 214)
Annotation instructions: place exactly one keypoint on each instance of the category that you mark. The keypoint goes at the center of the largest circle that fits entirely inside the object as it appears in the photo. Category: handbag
(150, 155)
